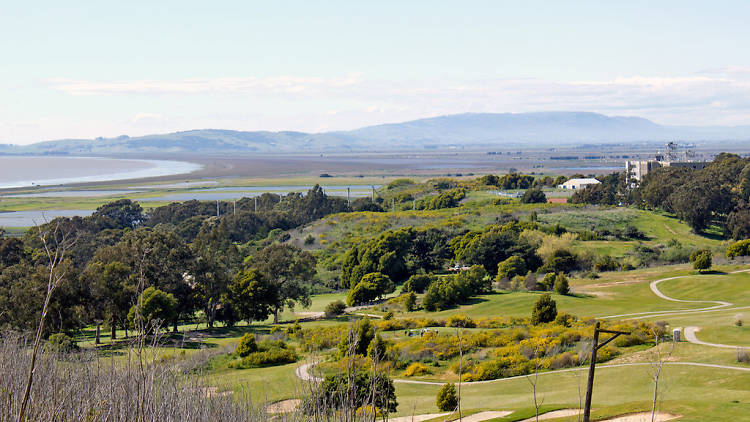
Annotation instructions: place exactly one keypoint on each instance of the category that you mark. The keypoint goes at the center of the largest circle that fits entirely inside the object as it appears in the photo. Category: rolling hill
(470, 130)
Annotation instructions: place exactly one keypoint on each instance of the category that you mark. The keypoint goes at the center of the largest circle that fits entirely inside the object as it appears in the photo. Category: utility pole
(373, 193)
(256, 203)
(217, 207)
(235, 206)
(592, 366)
(348, 198)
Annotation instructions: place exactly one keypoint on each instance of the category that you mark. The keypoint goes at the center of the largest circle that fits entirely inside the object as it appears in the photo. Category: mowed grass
(697, 393)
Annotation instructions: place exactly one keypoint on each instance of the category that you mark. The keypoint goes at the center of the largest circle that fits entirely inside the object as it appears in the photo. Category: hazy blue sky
(100, 68)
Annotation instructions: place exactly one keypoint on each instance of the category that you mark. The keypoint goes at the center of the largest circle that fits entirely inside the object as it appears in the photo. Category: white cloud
(715, 97)
(278, 84)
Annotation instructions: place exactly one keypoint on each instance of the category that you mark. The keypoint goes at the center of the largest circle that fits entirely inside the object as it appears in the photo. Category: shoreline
(157, 169)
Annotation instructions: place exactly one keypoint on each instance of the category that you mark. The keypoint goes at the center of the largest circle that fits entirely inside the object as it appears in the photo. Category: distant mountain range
(471, 130)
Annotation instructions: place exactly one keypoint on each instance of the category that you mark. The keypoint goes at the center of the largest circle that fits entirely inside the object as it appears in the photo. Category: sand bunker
(418, 418)
(644, 417)
(483, 416)
(556, 414)
(284, 406)
(477, 417)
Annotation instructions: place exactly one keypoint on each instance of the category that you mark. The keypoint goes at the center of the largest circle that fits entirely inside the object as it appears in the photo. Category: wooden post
(596, 346)
(592, 366)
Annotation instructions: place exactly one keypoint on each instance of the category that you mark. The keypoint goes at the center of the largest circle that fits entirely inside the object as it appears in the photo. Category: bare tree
(533, 380)
(460, 335)
(657, 363)
(55, 243)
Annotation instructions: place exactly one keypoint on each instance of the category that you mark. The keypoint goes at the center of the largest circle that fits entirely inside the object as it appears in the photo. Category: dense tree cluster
(177, 259)
(716, 195)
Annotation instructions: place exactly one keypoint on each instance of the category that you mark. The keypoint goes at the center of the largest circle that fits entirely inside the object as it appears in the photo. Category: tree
(158, 258)
(365, 291)
(377, 348)
(251, 296)
(111, 290)
(410, 302)
(738, 222)
(153, 306)
(371, 287)
(510, 268)
(475, 279)
(701, 260)
(357, 337)
(447, 400)
(561, 284)
(289, 270)
(353, 391)
(217, 260)
(544, 311)
(533, 196)
(417, 283)
(561, 260)
(120, 214)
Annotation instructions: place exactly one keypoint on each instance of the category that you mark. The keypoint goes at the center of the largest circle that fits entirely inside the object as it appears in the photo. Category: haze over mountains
(470, 130)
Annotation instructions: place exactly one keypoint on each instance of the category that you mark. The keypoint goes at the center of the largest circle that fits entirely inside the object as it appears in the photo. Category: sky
(86, 69)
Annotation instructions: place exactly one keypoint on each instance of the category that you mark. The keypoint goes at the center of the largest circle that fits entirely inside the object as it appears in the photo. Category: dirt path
(669, 229)
(691, 337)
(717, 304)
(303, 372)
(284, 406)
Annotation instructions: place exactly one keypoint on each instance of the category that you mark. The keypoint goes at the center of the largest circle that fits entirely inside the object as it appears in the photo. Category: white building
(575, 184)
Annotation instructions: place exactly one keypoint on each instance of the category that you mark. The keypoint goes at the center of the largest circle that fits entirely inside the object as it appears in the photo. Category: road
(690, 336)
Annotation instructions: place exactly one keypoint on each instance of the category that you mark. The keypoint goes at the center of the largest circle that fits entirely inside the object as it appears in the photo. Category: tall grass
(84, 386)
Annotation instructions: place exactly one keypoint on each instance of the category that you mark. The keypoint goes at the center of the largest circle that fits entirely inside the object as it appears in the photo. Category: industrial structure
(576, 184)
(671, 157)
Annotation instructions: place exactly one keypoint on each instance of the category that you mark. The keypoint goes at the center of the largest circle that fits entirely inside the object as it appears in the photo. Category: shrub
(738, 320)
(388, 316)
(564, 360)
(545, 310)
(310, 239)
(632, 232)
(447, 400)
(246, 345)
(701, 259)
(335, 308)
(265, 353)
(416, 369)
(742, 356)
(460, 320)
(60, 343)
(741, 248)
(548, 282)
(270, 357)
(565, 319)
(606, 263)
(533, 196)
(561, 284)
